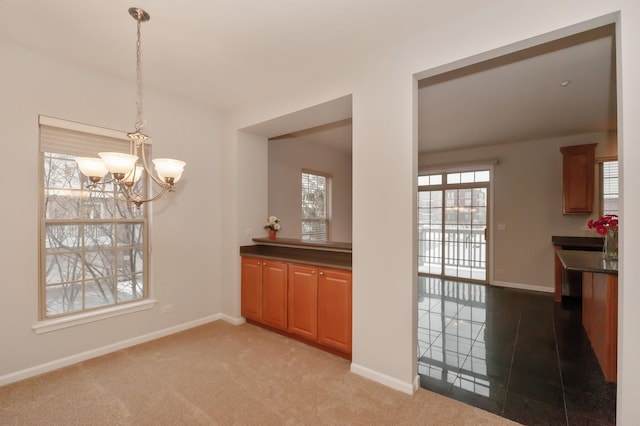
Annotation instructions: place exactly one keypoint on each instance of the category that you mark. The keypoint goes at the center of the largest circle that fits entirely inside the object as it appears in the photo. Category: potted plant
(273, 226)
(607, 226)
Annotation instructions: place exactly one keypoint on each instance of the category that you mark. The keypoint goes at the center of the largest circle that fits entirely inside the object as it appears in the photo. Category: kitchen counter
(587, 261)
(599, 304)
(308, 255)
(569, 282)
(305, 244)
(577, 243)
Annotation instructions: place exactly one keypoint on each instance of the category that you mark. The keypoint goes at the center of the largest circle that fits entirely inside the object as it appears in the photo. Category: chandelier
(123, 167)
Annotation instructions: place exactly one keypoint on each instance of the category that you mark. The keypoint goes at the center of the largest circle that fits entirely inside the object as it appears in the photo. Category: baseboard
(83, 356)
(393, 383)
(523, 286)
(232, 320)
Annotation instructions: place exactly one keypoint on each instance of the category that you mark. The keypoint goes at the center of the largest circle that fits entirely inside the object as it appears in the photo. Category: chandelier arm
(148, 170)
(134, 198)
(126, 191)
(128, 194)
(165, 190)
(101, 182)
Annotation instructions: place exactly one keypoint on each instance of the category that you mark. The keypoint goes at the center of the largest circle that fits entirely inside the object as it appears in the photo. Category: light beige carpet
(227, 375)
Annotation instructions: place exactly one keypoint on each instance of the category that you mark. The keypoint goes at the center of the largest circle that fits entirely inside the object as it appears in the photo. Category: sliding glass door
(452, 224)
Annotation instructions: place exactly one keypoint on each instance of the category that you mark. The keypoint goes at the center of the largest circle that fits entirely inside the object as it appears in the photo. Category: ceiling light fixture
(123, 167)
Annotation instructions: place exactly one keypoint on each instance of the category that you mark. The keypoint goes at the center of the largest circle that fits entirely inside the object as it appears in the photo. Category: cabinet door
(274, 294)
(334, 309)
(303, 301)
(251, 293)
(578, 170)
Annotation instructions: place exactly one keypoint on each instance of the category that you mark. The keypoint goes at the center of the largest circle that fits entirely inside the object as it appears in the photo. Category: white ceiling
(224, 54)
(521, 96)
(561, 88)
(221, 53)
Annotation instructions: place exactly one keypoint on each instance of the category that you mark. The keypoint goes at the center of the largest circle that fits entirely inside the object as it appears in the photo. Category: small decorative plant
(607, 226)
(273, 224)
(604, 224)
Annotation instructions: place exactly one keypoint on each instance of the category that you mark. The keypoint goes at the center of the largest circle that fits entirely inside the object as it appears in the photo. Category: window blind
(315, 205)
(67, 137)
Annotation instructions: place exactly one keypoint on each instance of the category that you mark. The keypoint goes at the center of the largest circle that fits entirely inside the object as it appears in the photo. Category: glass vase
(610, 248)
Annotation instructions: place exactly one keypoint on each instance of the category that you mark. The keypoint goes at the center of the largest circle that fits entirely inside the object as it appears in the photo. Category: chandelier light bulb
(169, 168)
(117, 162)
(91, 167)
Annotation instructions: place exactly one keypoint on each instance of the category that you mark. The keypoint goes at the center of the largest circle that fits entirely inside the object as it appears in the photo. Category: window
(609, 187)
(453, 209)
(92, 246)
(315, 205)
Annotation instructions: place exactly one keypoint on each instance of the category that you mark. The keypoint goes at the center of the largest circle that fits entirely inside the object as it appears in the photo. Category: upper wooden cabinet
(578, 171)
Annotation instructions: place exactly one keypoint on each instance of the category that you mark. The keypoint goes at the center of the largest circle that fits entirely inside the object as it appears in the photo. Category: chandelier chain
(140, 120)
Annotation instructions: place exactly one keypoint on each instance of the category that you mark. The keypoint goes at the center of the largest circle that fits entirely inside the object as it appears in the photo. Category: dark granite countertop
(307, 256)
(576, 243)
(587, 261)
(305, 244)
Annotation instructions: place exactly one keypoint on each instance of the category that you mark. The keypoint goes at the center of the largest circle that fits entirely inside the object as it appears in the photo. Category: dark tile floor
(515, 353)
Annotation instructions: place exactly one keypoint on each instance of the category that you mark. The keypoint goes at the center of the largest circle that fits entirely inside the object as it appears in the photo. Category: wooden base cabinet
(264, 291)
(303, 301)
(320, 306)
(334, 309)
(251, 293)
(600, 319)
(274, 294)
(311, 303)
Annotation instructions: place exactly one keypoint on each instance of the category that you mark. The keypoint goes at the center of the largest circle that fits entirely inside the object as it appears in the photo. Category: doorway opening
(458, 105)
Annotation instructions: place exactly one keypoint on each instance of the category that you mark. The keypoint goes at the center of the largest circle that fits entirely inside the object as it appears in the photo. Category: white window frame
(602, 186)
(91, 138)
(326, 218)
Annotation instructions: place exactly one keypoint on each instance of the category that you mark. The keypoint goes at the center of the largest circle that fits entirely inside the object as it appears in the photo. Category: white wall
(186, 270)
(527, 199)
(384, 134)
(287, 158)
(629, 150)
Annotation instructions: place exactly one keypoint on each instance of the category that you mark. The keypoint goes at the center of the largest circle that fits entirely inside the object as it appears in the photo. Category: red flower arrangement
(604, 223)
